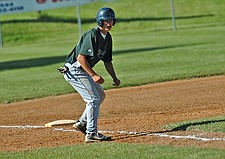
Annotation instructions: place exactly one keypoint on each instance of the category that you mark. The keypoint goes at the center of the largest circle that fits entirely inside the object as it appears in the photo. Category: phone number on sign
(10, 7)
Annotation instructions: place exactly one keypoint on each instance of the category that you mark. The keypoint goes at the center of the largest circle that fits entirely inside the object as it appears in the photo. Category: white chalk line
(193, 137)
(21, 126)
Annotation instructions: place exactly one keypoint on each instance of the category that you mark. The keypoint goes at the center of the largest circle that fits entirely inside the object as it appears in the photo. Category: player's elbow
(81, 59)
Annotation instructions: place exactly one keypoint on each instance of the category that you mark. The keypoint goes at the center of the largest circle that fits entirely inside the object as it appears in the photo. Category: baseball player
(94, 45)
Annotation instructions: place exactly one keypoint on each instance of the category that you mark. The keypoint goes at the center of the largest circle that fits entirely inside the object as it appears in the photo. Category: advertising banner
(50, 4)
(15, 6)
(20, 6)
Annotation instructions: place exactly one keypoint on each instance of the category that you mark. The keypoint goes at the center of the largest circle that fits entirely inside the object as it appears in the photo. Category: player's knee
(102, 97)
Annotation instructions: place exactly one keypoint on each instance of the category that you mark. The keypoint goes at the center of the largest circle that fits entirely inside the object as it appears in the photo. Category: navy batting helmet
(105, 14)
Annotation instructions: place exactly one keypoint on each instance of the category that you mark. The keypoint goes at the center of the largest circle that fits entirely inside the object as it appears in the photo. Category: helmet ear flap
(100, 23)
(114, 21)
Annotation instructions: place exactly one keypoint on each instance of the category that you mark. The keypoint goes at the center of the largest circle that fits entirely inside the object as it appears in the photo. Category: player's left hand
(116, 82)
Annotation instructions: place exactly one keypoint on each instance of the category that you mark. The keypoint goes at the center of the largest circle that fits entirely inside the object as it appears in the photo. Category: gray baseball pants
(91, 92)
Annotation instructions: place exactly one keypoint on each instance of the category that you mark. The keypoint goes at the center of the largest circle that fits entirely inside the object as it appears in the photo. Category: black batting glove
(63, 69)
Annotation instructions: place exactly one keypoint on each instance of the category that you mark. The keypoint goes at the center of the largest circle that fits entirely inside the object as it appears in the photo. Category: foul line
(120, 132)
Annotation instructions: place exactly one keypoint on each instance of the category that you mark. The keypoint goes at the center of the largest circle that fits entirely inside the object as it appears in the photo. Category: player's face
(107, 25)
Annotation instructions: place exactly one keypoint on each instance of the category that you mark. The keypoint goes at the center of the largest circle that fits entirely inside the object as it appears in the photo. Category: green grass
(212, 124)
(154, 15)
(118, 151)
(29, 70)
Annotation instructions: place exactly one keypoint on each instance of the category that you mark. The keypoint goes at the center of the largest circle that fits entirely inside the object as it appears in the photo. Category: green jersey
(94, 46)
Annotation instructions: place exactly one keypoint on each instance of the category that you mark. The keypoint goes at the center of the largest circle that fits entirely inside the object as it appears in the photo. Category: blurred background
(147, 48)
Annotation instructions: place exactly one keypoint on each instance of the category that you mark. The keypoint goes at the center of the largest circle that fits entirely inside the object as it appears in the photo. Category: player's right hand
(98, 79)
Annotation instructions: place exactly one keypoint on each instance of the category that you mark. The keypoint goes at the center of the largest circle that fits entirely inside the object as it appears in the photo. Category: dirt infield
(132, 115)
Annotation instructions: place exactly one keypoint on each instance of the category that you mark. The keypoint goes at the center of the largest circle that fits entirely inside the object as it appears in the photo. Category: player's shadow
(179, 128)
(185, 126)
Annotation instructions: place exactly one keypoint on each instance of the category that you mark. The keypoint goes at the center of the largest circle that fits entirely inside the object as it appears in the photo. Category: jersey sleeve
(87, 45)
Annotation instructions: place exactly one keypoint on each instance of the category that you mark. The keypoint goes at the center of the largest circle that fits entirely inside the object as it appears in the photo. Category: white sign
(19, 6)
(48, 4)
(12, 6)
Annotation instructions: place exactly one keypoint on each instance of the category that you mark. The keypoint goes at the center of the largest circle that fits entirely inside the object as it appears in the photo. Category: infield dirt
(137, 109)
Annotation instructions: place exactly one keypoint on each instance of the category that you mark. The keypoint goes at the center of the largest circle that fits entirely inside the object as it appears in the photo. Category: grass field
(35, 46)
(146, 50)
(118, 151)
